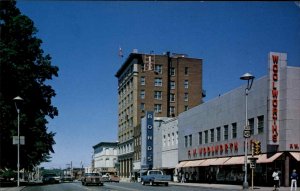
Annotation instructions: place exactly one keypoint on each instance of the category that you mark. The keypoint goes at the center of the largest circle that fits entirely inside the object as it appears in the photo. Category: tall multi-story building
(165, 84)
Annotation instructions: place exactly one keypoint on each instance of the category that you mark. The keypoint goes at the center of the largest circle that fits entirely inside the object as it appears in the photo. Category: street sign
(252, 162)
(247, 133)
(16, 140)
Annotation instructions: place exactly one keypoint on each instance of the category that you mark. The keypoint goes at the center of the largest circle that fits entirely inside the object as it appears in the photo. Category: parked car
(50, 178)
(67, 178)
(114, 178)
(105, 178)
(91, 178)
(155, 177)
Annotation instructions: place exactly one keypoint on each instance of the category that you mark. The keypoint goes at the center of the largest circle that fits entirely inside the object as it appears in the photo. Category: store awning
(263, 158)
(207, 162)
(181, 164)
(219, 161)
(235, 160)
(296, 155)
(193, 163)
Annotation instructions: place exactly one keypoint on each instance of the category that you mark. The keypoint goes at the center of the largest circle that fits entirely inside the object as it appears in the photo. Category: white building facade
(211, 143)
(105, 157)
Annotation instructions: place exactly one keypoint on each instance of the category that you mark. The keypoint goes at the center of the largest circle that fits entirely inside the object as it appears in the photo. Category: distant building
(165, 84)
(105, 157)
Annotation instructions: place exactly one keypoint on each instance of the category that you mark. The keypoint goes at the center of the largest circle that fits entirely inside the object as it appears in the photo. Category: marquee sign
(149, 139)
(276, 62)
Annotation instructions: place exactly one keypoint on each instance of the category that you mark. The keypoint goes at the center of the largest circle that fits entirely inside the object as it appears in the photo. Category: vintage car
(91, 178)
(50, 178)
(114, 178)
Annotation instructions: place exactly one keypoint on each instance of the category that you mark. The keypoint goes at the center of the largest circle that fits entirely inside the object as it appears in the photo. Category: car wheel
(151, 183)
(166, 184)
(143, 183)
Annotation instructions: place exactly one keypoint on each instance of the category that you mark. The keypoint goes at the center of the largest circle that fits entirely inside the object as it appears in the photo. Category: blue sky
(83, 38)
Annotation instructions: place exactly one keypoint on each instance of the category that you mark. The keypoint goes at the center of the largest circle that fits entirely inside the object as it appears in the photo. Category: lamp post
(249, 77)
(16, 100)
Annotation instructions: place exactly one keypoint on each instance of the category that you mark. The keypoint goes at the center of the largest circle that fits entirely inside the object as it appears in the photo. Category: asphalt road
(76, 186)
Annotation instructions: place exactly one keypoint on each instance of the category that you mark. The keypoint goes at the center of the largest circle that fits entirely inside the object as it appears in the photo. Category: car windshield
(48, 175)
(92, 174)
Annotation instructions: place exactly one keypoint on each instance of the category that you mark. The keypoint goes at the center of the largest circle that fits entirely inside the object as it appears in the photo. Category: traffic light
(257, 147)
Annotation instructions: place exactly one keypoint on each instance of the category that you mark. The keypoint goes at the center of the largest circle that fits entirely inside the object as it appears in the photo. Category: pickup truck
(155, 177)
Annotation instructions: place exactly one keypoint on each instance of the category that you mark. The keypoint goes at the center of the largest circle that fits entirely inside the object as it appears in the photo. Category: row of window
(216, 135)
(126, 136)
(159, 70)
(158, 108)
(170, 139)
(126, 148)
(159, 94)
(158, 82)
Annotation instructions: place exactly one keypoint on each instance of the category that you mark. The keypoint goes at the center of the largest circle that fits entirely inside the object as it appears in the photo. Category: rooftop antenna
(120, 52)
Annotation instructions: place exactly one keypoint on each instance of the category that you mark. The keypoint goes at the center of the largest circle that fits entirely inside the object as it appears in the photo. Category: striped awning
(194, 163)
(296, 155)
(181, 164)
(263, 158)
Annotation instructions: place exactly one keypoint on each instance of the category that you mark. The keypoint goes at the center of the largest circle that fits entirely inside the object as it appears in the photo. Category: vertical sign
(276, 62)
(149, 139)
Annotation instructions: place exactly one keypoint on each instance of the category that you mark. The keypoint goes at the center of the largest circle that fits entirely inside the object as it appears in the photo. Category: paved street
(76, 186)
(125, 186)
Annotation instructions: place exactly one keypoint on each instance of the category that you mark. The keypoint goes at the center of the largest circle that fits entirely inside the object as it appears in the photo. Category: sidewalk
(12, 188)
(228, 187)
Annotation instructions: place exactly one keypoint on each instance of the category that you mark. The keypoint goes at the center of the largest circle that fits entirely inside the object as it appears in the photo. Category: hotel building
(166, 84)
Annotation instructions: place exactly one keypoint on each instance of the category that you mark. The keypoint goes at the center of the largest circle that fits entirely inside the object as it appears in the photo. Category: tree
(24, 71)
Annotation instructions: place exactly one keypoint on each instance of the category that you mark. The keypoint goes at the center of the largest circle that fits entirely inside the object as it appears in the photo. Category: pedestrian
(182, 178)
(275, 176)
(294, 177)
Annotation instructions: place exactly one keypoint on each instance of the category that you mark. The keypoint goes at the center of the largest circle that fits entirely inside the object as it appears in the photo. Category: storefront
(211, 144)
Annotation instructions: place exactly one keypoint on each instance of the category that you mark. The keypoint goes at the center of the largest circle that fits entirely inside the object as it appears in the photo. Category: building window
(186, 84)
(205, 137)
(212, 135)
(157, 108)
(200, 138)
(186, 71)
(158, 95)
(234, 130)
(164, 140)
(142, 66)
(172, 110)
(226, 132)
(260, 124)
(218, 133)
(173, 138)
(172, 85)
(186, 107)
(143, 80)
(158, 68)
(172, 97)
(169, 140)
(142, 94)
(157, 82)
(186, 141)
(251, 124)
(172, 72)
(186, 97)
(191, 140)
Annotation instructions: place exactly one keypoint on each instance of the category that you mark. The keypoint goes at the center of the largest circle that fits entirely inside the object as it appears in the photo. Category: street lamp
(17, 100)
(249, 77)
